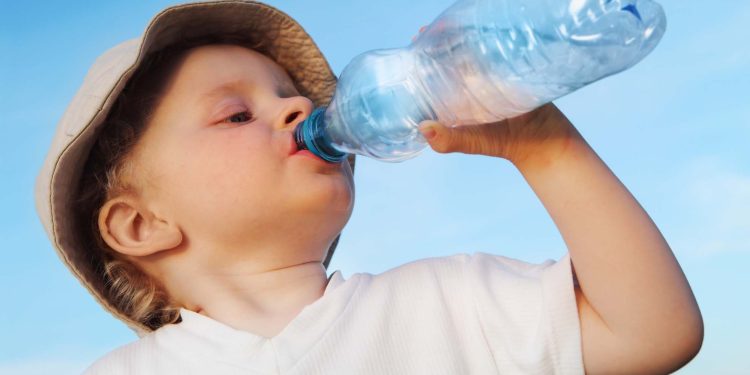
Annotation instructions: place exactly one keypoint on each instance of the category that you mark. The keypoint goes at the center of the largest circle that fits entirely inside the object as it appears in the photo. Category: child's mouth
(294, 150)
(306, 153)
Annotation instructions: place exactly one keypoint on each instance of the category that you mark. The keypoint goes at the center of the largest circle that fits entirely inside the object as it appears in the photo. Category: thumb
(440, 137)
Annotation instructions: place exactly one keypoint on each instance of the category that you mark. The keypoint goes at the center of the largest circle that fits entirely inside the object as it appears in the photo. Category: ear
(129, 228)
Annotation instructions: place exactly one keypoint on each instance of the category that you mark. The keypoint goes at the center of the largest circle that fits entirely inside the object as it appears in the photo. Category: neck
(261, 302)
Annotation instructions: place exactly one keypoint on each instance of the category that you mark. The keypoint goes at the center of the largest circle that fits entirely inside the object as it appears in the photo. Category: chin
(327, 206)
(331, 190)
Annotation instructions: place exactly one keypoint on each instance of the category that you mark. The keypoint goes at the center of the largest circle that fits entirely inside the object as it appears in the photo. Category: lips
(292, 145)
(292, 149)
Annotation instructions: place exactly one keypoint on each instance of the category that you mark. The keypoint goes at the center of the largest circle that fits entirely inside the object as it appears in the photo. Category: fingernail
(427, 131)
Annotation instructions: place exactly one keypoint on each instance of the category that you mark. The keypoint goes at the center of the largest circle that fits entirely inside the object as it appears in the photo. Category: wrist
(563, 144)
(544, 140)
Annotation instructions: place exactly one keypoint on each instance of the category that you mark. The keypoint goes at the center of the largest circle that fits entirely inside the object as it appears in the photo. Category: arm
(637, 311)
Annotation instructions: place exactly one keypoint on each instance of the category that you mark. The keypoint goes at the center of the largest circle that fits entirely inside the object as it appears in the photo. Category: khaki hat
(287, 43)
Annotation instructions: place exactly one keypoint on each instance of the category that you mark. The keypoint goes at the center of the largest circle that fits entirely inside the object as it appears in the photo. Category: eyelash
(248, 114)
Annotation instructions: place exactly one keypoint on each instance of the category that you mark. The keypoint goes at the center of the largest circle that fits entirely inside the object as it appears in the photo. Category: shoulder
(418, 280)
(432, 269)
(457, 265)
(458, 273)
(126, 359)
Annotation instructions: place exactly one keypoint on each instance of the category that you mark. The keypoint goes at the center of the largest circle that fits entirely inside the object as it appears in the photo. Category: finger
(439, 136)
(485, 139)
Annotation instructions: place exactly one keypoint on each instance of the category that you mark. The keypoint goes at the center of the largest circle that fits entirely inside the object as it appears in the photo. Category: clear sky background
(675, 129)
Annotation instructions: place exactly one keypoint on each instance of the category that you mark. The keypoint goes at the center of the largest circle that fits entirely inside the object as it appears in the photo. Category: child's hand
(533, 137)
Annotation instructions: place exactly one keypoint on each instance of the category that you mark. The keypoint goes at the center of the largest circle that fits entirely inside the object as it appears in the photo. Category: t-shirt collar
(215, 339)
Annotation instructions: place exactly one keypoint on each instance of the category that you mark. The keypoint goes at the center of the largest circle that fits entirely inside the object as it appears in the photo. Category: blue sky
(674, 129)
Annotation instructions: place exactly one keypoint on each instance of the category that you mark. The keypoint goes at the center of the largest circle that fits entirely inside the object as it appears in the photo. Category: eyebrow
(234, 85)
(224, 88)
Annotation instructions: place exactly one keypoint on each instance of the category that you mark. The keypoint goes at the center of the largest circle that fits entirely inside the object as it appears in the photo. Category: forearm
(624, 266)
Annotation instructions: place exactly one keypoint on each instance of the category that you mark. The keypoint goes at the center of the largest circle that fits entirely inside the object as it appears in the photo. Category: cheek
(222, 174)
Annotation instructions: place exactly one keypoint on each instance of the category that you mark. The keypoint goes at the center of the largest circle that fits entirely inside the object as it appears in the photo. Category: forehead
(206, 65)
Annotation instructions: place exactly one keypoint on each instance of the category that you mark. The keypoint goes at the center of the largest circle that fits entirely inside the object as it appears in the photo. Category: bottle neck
(311, 135)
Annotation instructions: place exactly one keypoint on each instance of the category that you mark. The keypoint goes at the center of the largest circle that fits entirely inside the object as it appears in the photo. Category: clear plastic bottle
(480, 61)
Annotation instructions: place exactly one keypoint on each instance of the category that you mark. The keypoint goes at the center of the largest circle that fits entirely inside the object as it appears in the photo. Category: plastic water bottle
(480, 61)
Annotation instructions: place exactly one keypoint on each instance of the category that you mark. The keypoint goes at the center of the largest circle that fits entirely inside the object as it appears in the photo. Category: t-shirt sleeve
(527, 313)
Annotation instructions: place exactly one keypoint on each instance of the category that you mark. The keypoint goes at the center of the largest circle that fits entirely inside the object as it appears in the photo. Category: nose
(294, 110)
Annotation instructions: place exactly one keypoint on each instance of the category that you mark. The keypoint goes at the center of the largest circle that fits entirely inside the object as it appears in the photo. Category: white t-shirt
(461, 314)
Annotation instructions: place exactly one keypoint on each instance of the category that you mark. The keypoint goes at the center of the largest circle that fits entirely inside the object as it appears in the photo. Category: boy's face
(215, 160)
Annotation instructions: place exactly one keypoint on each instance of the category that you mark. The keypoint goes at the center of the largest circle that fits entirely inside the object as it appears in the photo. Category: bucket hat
(286, 42)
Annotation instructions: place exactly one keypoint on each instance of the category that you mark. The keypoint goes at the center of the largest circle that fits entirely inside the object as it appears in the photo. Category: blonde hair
(126, 286)
(109, 171)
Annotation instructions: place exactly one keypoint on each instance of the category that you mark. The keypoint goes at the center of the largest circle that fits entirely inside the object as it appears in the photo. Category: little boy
(174, 191)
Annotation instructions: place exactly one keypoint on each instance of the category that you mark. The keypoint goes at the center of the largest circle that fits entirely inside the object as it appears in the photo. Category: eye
(239, 117)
